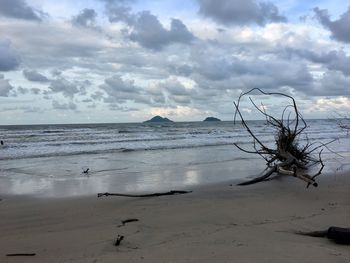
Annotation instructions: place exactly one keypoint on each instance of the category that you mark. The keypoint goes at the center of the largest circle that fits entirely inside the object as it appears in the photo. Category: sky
(107, 61)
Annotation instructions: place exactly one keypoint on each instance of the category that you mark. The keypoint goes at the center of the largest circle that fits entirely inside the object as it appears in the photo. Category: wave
(111, 150)
(46, 141)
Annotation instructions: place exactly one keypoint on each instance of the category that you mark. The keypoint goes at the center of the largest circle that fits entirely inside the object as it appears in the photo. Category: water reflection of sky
(132, 172)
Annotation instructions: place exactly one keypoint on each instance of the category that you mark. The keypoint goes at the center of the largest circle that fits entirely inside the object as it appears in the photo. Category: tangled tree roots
(288, 157)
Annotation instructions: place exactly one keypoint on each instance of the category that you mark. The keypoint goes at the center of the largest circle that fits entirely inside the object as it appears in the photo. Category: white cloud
(331, 104)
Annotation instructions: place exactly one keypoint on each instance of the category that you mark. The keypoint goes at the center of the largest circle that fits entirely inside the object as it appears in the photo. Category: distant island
(211, 119)
(158, 119)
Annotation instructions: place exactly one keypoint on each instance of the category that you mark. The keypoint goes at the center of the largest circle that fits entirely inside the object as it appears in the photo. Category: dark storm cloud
(339, 28)
(33, 75)
(5, 86)
(240, 12)
(86, 18)
(150, 33)
(19, 9)
(64, 106)
(9, 59)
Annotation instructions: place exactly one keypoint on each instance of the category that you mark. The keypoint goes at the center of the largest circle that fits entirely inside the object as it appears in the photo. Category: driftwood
(123, 222)
(172, 192)
(21, 255)
(337, 234)
(288, 157)
(119, 240)
(129, 220)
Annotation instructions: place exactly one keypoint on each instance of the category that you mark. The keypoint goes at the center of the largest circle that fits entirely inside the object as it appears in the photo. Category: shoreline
(215, 223)
(137, 172)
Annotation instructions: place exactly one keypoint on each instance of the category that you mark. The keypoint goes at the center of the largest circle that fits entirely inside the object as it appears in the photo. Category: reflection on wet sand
(149, 171)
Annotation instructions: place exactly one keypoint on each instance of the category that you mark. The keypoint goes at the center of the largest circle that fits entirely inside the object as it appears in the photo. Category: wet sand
(216, 223)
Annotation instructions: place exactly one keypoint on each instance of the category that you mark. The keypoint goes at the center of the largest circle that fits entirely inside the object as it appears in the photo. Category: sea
(50, 160)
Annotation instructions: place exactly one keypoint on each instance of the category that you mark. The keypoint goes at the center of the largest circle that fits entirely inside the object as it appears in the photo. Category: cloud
(19, 9)
(64, 47)
(119, 108)
(5, 86)
(9, 59)
(146, 29)
(121, 91)
(86, 18)
(240, 12)
(331, 104)
(33, 75)
(67, 88)
(120, 13)
(333, 60)
(29, 109)
(64, 106)
(150, 33)
(339, 28)
(331, 83)
(178, 111)
(176, 92)
(216, 68)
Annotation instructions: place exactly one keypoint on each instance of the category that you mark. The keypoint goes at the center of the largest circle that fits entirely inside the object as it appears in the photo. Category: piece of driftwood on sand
(172, 192)
(288, 157)
(21, 255)
(337, 234)
(118, 240)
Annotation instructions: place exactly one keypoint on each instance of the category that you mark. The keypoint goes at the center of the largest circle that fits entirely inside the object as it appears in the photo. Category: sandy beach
(215, 223)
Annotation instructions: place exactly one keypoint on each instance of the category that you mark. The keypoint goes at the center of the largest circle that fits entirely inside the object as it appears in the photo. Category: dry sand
(217, 223)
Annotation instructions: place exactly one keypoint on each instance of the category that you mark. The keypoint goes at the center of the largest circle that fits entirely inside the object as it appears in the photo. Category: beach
(51, 213)
(215, 223)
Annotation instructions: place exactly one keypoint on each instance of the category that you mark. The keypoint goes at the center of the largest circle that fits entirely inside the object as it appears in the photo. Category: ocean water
(49, 159)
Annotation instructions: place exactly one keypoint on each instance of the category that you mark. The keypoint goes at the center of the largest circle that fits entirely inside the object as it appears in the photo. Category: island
(212, 119)
(158, 119)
